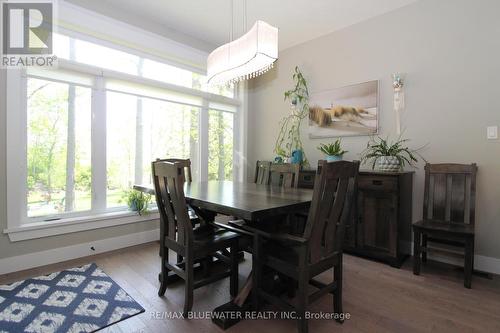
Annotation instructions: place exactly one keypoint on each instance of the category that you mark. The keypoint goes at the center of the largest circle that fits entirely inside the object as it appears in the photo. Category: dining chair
(262, 172)
(284, 175)
(193, 245)
(186, 173)
(277, 174)
(318, 249)
(448, 215)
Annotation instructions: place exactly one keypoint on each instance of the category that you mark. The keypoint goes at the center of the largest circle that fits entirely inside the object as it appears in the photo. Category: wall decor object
(348, 111)
(399, 98)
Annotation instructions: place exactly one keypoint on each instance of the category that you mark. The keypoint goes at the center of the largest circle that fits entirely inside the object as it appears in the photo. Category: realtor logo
(27, 30)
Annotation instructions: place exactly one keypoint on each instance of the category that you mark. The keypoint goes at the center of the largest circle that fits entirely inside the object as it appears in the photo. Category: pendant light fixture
(247, 57)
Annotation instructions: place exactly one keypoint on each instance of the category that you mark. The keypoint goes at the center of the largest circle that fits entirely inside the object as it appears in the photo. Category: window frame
(21, 227)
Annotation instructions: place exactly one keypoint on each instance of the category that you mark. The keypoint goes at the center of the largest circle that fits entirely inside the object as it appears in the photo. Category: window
(93, 126)
(108, 58)
(220, 148)
(139, 130)
(58, 161)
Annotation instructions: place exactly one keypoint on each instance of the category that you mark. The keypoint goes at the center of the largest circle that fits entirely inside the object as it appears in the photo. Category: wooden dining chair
(185, 163)
(448, 215)
(262, 172)
(177, 234)
(188, 178)
(277, 174)
(318, 249)
(284, 175)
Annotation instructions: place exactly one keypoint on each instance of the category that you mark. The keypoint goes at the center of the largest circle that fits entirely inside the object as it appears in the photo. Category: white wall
(450, 50)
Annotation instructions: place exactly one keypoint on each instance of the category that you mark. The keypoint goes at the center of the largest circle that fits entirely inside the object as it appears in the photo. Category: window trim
(18, 227)
(76, 224)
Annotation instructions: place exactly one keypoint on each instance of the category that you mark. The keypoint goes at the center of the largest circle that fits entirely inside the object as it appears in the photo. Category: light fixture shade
(248, 56)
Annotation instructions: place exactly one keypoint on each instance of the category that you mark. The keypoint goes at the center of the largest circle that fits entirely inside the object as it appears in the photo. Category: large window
(139, 130)
(94, 125)
(58, 161)
(220, 149)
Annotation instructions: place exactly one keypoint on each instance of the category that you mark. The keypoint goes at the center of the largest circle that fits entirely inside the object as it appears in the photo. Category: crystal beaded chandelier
(249, 56)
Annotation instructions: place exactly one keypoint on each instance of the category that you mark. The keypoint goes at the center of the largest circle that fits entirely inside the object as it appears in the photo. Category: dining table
(249, 202)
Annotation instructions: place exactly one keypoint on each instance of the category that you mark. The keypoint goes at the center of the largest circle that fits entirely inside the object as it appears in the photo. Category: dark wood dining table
(246, 201)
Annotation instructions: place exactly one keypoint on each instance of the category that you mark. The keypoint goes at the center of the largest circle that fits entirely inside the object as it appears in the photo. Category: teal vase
(335, 158)
(297, 157)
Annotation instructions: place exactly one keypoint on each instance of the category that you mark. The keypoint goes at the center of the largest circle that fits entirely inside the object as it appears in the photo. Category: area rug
(80, 299)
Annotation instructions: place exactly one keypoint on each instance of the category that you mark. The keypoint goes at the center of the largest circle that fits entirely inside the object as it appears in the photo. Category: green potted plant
(389, 156)
(333, 151)
(138, 201)
(288, 144)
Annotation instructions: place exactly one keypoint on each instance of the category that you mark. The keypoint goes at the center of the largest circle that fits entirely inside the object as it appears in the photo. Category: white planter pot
(388, 164)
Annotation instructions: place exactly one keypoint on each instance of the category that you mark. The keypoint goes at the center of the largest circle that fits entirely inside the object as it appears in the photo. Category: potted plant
(138, 201)
(333, 151)
(389, 156)
(288, 144)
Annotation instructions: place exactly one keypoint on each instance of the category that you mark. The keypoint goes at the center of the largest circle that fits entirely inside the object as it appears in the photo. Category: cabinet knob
(377, 182)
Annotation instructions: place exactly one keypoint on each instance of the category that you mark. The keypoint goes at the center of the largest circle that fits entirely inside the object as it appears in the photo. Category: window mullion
(203, 135)
(98, 146)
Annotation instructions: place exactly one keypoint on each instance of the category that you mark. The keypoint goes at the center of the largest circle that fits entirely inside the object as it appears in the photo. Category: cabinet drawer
(382, 183)
(306, 179)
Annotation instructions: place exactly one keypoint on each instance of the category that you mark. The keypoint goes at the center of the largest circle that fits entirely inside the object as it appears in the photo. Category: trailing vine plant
(288, 138)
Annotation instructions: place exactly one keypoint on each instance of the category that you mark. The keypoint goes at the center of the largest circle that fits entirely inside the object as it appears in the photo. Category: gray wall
(450, 50)
(9, 249)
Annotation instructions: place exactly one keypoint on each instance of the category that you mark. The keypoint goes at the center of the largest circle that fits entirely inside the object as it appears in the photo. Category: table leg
(235, 309)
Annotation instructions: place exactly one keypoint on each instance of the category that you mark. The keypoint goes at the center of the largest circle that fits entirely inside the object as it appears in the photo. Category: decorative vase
(297, 157)
(133, 206)
(334, 158)
(388, 164)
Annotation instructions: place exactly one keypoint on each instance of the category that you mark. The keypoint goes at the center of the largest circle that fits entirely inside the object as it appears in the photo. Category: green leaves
(332, 149)
(138, 201)
(289, 135)
(378, 147)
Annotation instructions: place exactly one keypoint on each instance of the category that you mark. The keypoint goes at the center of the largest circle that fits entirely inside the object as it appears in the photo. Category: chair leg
(233, 282)
(416, 252)
(303, 296)
(424, 244)
(291, 287)
(469, 262)
(188, 297)
(337, 296)
(205, 265)
(163, 276)
(257, 272)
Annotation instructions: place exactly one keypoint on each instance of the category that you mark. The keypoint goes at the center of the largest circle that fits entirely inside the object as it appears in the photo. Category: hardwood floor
(378, 298)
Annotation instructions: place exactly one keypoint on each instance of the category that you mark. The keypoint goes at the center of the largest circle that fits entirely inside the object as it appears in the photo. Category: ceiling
(205, 24)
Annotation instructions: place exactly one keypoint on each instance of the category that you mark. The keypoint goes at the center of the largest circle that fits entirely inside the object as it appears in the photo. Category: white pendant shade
(248, 56)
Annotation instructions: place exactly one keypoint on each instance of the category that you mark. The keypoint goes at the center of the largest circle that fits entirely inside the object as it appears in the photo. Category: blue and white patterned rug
(81, 299)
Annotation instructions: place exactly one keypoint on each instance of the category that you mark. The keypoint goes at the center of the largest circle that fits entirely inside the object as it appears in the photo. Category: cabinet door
(377, 224)
(350, 229)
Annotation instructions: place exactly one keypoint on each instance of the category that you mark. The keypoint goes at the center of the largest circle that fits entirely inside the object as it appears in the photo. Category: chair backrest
(450, 192)
(262, 172)
(169, 187)
(186, 167)
(335, 186)
(285, 175)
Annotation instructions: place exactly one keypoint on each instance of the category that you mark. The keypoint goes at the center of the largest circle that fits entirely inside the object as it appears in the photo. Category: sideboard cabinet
(380, 227)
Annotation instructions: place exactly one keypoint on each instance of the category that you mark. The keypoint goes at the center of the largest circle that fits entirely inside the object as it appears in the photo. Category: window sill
(76, 224)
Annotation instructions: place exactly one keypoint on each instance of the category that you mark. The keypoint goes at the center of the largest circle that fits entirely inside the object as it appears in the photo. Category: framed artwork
(348, 111)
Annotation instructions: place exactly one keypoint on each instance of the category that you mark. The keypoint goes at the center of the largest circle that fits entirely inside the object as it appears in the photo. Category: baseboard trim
(481, 263)
(37, 259)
